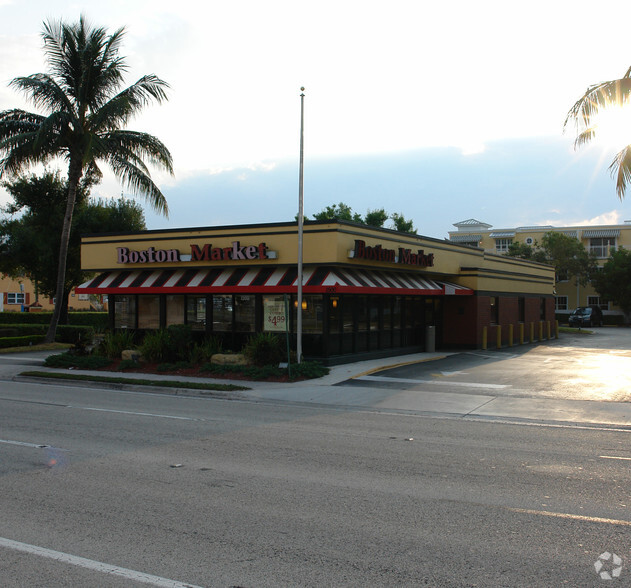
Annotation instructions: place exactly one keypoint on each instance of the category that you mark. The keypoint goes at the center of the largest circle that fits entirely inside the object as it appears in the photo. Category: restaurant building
(367, 292)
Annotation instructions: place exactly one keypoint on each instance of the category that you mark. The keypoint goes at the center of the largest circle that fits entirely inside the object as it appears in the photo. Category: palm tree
(85, 115)
(595, 99)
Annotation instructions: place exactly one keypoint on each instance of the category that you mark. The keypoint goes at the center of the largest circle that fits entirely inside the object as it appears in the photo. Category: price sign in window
(274, 317)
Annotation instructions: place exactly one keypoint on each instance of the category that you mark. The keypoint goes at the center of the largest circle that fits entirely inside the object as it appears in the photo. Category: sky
(440, 111)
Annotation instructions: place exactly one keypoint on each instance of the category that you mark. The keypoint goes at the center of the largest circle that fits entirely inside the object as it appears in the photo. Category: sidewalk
(325, 392)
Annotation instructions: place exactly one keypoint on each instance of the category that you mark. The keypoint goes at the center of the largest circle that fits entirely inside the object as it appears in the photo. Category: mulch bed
(194, 371)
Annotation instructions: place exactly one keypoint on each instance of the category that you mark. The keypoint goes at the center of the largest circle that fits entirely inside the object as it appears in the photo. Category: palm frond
(620, 169)
(42, 90)
(598, 97)
(140, 183)
(120, 109)
(142, 145)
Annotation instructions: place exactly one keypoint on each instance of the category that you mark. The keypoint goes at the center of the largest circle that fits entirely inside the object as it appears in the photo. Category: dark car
(586, 316)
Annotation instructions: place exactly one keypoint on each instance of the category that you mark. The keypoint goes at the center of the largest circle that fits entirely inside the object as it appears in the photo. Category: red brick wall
(466, 317)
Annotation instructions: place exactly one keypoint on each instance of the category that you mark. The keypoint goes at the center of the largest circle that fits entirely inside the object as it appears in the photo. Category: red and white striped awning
(316, 280)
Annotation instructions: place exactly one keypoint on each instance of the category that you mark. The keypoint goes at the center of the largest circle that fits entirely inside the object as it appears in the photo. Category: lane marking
(23, 444)
(432, 382)
(614, 457)
(149, 414)
(91, 564)
(563, 515)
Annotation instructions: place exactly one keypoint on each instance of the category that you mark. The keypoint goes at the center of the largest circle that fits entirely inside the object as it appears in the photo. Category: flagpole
(300, 229)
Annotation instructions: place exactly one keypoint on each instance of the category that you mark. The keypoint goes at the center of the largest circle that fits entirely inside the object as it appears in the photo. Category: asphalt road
(100, 487)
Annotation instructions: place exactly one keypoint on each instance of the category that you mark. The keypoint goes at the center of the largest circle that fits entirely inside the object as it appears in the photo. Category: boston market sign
(207, 252)
(403, 256)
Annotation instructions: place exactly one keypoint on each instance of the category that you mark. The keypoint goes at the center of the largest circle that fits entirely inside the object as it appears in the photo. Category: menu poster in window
(274, 317)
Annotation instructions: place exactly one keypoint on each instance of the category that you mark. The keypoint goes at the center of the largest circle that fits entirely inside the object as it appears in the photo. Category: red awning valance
(316, 280)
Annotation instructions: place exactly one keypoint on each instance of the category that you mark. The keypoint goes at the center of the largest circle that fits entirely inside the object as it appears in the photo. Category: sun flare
(613, 127)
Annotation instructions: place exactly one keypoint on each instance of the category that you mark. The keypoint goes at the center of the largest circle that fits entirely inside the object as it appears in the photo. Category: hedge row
(21, 341)
(13, 335)
(97, 320)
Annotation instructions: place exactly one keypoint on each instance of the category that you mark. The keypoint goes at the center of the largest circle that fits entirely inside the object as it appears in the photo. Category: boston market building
(367, 292)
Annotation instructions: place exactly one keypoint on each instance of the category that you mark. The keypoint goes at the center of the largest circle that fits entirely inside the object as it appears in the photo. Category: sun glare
(613, 127)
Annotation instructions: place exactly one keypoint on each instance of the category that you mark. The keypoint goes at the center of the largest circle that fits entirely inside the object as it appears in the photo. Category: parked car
(586, 316)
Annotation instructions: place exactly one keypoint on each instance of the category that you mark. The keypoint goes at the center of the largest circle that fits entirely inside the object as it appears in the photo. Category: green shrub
(308, 370)
(114, 343)
(181, 342)
(203, 351)
(74, 334)
(98, 320)
(155, 346)
(86, 362)
(169, 345)
(128, 364)
(265, 349)
(173, 367)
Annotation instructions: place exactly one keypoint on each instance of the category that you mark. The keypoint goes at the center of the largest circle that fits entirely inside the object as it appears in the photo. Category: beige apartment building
(568, 295)
(20, 295)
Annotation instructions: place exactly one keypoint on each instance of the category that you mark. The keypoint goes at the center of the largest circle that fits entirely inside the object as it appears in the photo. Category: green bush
(169, 345)
(86, 362)
(98, 320)
(181, 342)
(155, 346)
(306, 370)
(74, 334)
(202, 352)
(116, 342)
(23, 341)
(265, 349)
(173, 367)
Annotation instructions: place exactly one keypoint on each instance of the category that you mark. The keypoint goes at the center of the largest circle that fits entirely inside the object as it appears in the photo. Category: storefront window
(222, 312)
(149, 312)
(196, 312)
(312, 315)
(175, 309)
(244, 313)
(334, 315)
(125, 312)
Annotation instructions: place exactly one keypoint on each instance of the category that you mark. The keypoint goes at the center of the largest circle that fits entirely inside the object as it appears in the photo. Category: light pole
(300, 223)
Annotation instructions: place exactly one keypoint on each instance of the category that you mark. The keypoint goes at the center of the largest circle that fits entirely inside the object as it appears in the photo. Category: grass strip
(575, 331)
(136, 382)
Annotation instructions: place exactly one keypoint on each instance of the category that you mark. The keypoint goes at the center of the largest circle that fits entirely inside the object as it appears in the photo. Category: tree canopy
(31, 228)
(613, 280)
(373, 218)
(85, 113)
(568, 256)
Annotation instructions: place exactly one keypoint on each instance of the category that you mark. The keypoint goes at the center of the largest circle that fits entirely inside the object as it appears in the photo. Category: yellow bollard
(548, 332)
(510, 335)
(499, 336)
(521, 333)
(484, 337)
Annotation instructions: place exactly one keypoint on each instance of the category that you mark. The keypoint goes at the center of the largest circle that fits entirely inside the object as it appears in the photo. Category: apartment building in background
(21, 295)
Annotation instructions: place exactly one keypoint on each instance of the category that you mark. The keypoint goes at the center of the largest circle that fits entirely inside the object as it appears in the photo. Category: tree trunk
(74, 175)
